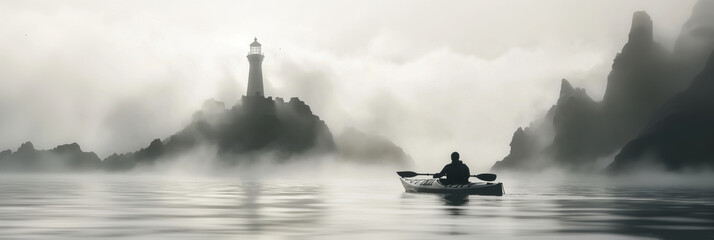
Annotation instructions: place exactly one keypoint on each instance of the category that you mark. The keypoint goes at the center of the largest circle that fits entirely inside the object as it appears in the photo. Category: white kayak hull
(432, 185)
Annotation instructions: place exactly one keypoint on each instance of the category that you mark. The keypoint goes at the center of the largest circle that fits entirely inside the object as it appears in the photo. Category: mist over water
(141, 206)
(113, 76)
(388, 86)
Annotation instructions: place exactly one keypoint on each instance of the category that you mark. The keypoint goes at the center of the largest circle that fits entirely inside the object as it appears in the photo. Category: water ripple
(76, 208)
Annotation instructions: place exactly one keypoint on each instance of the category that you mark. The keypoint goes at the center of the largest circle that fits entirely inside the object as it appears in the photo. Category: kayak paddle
(407, 174)
(486, 176)
(483, 176)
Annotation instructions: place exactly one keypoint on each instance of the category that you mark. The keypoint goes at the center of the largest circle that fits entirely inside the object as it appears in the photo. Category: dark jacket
(455, 172)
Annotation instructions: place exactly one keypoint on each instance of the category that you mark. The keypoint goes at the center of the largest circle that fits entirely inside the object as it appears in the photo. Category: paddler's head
(454, 156)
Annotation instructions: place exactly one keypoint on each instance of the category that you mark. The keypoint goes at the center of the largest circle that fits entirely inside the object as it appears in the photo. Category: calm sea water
(130, 207)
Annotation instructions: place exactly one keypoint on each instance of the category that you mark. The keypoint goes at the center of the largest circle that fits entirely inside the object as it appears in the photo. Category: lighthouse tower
(255, 75)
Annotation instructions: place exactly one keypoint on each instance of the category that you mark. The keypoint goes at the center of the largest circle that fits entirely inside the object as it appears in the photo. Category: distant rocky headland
(256, 128)
(241, 134)
(652, 112)
(61, 158)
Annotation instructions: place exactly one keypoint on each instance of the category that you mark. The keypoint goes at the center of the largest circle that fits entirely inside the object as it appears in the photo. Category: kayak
(433, 185)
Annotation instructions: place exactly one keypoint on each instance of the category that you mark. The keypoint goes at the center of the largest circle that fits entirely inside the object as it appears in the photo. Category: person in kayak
(456, 172)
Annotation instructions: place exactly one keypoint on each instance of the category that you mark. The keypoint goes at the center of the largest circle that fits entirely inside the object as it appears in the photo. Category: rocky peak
(68, 148)
(566, 88)
(639, 76)
(641, 30)
(156, 143)
(568, 92)
(518, 137)
(26, 147)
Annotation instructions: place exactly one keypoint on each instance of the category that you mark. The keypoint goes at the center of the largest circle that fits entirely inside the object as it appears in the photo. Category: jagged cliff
(641, 80)
(644, 77)
(584, 130)
(681, 135)
(565, 123)
(524, 150)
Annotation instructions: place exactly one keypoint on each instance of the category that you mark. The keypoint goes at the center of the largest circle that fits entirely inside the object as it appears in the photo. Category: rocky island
(256, 127)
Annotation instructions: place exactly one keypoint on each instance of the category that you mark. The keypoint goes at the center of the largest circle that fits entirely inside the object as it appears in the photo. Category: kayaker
(456, 172)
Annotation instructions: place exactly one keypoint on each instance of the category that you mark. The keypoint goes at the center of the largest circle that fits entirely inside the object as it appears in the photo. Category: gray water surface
(94, 207)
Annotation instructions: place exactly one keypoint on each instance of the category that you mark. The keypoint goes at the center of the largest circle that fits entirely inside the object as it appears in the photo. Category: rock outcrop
(641, 80)
(681, 136)
(68, 157)
(584, 130)
(240, 134)
(575, 125)
(356, 146)
(524, 149)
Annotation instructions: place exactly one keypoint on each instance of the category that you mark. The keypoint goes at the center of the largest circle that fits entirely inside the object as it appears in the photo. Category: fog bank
(112, 76)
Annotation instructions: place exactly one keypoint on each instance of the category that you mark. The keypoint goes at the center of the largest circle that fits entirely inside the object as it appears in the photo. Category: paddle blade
(407, 174)
(486, 177)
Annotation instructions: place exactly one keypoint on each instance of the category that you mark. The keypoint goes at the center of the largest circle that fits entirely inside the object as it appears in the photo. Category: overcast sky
(433, 76)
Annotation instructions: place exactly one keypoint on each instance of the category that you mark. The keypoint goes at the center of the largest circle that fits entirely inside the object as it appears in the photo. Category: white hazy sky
(433, 76)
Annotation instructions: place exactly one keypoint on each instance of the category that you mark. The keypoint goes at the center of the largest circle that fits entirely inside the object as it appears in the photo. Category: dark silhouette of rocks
(696, 40)
(523, 146)
(579, 131)
(640, 82)
(68, 157)
(76, 159)
(575, 120)
(128, 161)
(241, 134)
(681, 136)
(255, 127)
(356, 146)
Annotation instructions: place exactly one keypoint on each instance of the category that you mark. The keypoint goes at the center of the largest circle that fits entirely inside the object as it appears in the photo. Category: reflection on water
(35, 207)
(455, 199)
(649, 212)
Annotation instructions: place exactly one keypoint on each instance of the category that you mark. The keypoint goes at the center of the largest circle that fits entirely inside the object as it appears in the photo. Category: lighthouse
(255, 74)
